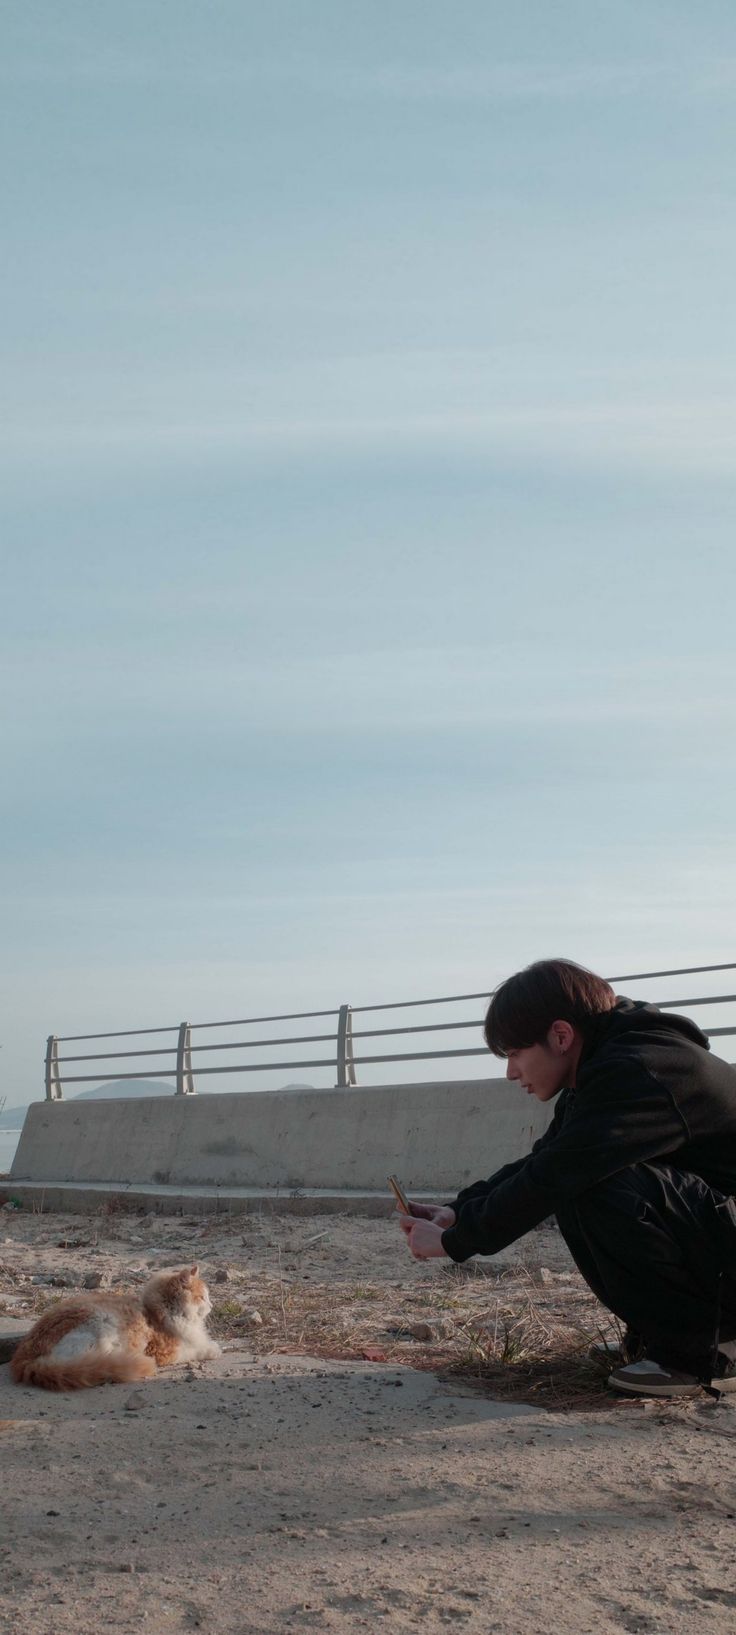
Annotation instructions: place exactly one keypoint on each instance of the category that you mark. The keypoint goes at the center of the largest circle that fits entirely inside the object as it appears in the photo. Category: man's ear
(561, 1037)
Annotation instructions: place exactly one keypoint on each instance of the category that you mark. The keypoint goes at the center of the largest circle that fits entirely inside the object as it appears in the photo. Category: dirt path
(275, 1491)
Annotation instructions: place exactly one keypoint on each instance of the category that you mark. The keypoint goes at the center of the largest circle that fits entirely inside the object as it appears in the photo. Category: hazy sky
(368, 490)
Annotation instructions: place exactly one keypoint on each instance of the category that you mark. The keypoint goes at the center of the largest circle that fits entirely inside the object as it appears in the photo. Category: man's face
(542, 1070)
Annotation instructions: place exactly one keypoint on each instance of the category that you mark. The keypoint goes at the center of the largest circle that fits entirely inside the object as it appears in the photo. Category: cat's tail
(96, 1368)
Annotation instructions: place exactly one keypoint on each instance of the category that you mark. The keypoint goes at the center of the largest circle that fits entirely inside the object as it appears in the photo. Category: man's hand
(440, 1214)
(425, 1239)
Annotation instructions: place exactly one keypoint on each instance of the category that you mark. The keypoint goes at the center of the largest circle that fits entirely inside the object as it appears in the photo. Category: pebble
(421, 1331)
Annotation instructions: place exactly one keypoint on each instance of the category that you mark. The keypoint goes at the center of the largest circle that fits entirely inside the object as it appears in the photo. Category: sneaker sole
(642, 1390)
(630, 1389)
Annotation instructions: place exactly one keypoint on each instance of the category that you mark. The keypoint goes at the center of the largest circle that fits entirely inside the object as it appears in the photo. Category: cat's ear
(193, 1271)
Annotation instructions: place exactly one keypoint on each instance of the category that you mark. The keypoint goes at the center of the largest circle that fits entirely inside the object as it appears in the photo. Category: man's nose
(511, 1072)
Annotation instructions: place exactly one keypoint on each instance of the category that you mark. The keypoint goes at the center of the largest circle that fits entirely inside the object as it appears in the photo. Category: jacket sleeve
(482, 1189)
(623, 1116)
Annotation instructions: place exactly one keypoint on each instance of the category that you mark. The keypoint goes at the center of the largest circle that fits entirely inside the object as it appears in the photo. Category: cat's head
(184, 1291)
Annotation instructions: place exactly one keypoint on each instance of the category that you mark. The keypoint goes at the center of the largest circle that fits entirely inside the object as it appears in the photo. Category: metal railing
(342, 1037)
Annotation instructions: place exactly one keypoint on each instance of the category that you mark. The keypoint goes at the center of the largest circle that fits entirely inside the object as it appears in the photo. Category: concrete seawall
(437, 1137)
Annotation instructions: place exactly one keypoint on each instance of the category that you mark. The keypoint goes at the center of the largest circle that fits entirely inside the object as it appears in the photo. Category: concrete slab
(71, 1197)
(285, 1496)
(349, 1139)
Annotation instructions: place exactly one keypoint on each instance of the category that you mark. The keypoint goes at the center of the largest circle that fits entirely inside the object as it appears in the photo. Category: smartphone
(399, 1194)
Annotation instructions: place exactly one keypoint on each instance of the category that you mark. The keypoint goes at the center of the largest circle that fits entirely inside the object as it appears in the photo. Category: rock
(222, 1275)
(545, 1275)
(95, 1280)
(421, 1331)
(135, 1402)
(58, 1280)
(12, 1331)
(254, 1317)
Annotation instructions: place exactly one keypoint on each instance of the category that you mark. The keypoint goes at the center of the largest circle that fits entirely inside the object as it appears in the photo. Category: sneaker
(647, 1378)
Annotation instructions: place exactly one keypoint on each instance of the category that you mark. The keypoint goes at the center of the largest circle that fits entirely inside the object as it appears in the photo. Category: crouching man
(638, 1165)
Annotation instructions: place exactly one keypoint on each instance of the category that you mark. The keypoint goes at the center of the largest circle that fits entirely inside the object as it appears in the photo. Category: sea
(8, 1142)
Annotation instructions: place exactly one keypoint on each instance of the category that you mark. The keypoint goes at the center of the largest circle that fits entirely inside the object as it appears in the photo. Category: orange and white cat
(99, 1338)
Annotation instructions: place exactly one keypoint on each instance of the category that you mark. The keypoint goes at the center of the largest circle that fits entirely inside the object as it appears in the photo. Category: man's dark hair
(524, 1007)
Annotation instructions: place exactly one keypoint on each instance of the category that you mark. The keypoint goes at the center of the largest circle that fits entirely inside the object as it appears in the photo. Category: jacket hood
(635, 1016)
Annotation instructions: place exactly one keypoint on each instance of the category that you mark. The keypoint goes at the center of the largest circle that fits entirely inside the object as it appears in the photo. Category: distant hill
(12, 1118)
(128, 1089)
(117, 1090)
(124, 1090)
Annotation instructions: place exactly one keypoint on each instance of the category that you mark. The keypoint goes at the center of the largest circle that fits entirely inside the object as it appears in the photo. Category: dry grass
(527, 1345)
(514, 1330)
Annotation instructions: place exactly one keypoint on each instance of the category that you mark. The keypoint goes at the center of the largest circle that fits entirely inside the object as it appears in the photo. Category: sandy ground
(346, 1464)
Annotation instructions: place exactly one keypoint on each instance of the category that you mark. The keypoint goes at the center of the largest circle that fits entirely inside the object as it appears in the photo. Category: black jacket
(647, 1089)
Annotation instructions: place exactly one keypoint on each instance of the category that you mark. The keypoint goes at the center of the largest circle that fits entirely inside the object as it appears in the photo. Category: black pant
(658, 1247)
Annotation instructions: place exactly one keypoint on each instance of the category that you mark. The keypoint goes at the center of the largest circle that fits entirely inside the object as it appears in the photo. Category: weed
(227, 1308)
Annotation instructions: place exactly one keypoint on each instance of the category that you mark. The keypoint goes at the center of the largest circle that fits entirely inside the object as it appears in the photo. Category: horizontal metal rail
(325, 1061)
(343, 1039)
(362, 1033)
(712, 999)
(266, 1067)
(292, 1039)
(236, 1022)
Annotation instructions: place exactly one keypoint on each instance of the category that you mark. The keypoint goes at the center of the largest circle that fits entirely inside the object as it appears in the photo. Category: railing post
(345, 1060)
(53, 1077)
(184, 1075)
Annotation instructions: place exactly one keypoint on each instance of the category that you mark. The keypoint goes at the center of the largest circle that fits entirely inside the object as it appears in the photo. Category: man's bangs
(507, 1026)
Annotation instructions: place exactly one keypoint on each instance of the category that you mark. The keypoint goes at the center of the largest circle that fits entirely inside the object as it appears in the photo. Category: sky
(368, 503)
